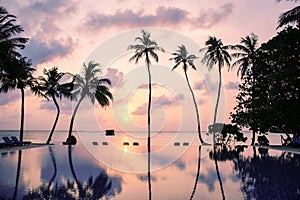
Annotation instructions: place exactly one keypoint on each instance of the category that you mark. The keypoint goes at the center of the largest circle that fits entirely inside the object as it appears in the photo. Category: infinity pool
(96, 170)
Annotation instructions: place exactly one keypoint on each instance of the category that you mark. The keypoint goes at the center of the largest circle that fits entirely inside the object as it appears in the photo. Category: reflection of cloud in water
(210, 178)
(179, 164)
(145, 178)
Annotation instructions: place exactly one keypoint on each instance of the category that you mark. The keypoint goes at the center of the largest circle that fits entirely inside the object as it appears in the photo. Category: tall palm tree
(50, 87)
(18, 77)
(8, 42)
(181, 56)
(247, 51)
(146, 47)
(216, 54)
(92, 86)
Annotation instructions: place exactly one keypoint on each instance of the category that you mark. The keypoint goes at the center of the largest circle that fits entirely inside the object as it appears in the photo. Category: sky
(68, 33)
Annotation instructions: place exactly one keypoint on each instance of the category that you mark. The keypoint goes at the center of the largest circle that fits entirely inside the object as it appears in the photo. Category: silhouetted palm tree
(8, 42)
(19, 76)
(186, 59)
(50, 87)
(290, 17)
(216, 54)
(92, 86)
(247, 53)
(146, 48)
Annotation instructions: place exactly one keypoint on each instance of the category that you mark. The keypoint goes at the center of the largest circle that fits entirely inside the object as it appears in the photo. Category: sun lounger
(16, 140)
(9, 141)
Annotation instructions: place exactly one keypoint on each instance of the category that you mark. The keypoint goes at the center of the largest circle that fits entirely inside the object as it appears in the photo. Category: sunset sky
(68, 33)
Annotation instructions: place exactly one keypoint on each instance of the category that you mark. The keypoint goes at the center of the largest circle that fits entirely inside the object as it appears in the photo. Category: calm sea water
(101, 167)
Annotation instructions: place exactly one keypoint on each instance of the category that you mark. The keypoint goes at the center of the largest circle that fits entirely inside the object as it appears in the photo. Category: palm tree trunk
(56, 119)
(149, 130)
(198, 172)
(253, 137)
(217, 102)
(196, 107)
(218, 174)
(73, 117)
(18, 174)
(22, 114)
(254, 109)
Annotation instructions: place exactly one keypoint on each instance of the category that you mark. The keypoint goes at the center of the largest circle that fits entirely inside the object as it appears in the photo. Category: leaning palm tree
(216, 54)
(181, 56)
(9, 43)
(92, 86)
(146, 47)
(19, 76)
(247, 52)
(50, 86)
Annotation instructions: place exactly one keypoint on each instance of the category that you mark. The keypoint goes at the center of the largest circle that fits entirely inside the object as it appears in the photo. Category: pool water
(112, 171)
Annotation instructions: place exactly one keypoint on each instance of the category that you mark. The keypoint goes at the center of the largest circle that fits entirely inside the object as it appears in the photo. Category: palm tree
(19, 76)
(247, 54)
(186, 59)
(216, 54)
(8, 43)
(146, 47)
(290, 17)
(50, 87)
(92, 86)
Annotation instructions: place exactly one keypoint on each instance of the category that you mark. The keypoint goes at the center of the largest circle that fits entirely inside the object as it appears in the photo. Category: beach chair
(18, 142)
(9, 142)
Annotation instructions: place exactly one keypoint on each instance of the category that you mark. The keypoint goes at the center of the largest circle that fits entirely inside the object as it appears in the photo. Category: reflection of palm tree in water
(218, 173)
(197, 176)
(99, 187)
(18, 174)
(54, 166)
(149, 176)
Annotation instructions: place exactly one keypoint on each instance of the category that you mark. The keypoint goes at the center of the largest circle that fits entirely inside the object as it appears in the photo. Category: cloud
(199, 85)
(232, 85)
(210, 17)
(115, 76)
(163, 16)
(201, 101)
(42, 51)
(153, 85)
(141, 110)
(180, 96)
(130, 18)
(64, 104)
(9, 97)
(161, 100)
